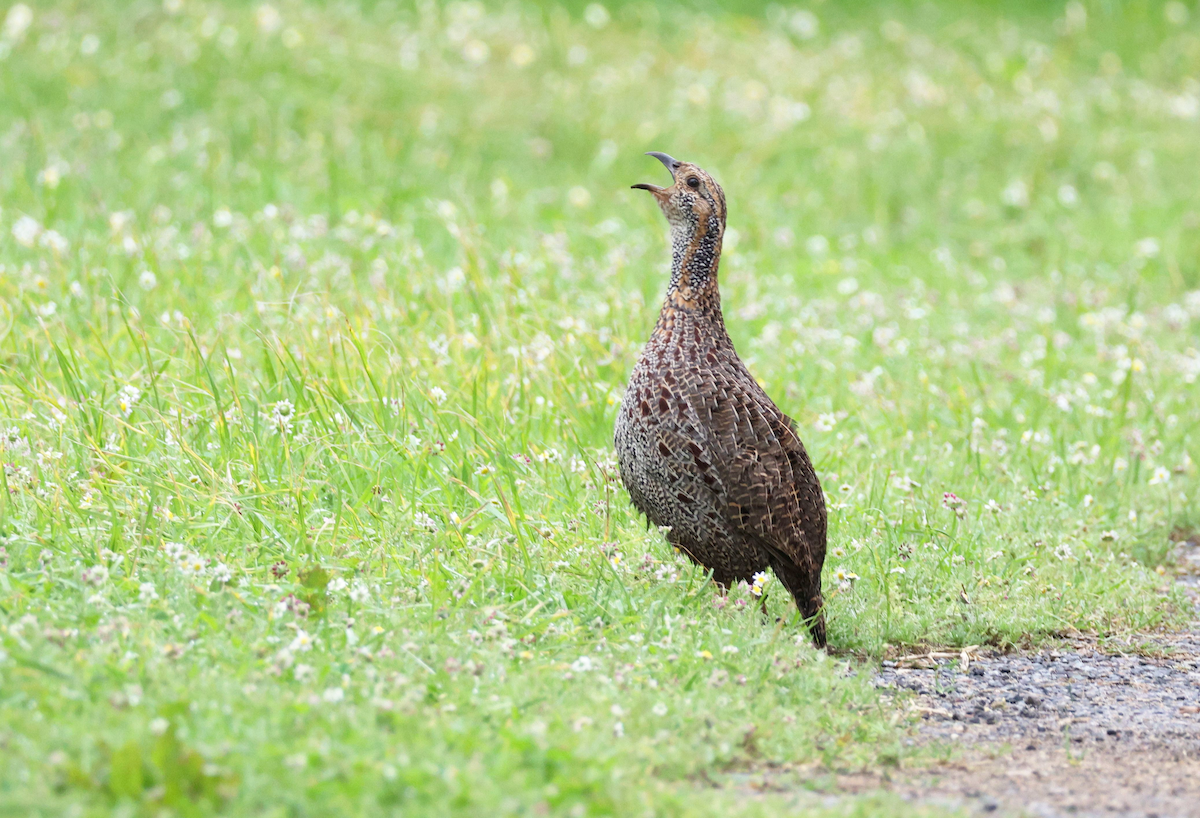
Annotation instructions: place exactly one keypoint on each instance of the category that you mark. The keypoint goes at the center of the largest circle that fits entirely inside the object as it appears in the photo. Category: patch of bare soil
(1071, 731)
(1077, 730)
(1052, 781)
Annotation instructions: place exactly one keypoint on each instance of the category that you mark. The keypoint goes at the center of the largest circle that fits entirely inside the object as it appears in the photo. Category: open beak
(669, 163)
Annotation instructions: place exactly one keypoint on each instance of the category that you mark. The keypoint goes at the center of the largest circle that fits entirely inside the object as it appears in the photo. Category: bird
(701, 449)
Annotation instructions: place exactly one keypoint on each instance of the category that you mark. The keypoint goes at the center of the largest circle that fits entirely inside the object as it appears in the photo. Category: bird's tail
(814, 617)
(805, 588)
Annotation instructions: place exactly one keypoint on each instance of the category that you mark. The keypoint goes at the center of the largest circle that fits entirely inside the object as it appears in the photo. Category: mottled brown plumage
(702, 449)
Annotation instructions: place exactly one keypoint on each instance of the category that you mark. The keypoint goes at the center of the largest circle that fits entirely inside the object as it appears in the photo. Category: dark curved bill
(669, 162)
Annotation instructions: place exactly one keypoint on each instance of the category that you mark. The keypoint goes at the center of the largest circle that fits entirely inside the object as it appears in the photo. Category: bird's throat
(695, 257)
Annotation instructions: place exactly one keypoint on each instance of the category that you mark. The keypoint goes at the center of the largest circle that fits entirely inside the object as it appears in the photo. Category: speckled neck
(695, 256)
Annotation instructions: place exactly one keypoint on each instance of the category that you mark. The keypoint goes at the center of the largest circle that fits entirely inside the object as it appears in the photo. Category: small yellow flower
(842, 575)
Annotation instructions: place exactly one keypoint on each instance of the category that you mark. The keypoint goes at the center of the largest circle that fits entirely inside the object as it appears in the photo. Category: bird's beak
(669, 163)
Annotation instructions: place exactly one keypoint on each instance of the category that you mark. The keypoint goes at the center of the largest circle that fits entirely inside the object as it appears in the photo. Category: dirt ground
(1077, 729)
(1055, 781)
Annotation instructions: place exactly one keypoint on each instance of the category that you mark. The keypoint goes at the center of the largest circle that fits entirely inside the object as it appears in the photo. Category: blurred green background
(314, 320)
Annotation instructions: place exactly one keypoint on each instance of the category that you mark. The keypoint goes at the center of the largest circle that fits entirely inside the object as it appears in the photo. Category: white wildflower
(804, 24)
(268, 18)
(95, 575)
(579, 197)
(17, 22)
(282, 416)
(522, 55)
(359, 592)
(1147, 248)
(53, 241)
(1016, 194)
(26, 231)
(127, 398)
(192, 565)
(596, 15)
(476, 52)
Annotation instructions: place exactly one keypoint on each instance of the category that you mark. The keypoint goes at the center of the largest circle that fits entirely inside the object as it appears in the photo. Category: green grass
(313, 325)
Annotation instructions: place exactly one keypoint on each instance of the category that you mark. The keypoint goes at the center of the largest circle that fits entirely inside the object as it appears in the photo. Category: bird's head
(694, 204)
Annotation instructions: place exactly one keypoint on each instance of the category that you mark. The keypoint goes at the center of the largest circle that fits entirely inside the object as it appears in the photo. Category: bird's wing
(767, 483)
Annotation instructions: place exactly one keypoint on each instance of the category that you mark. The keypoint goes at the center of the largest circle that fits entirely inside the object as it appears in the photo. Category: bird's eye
(693, 181)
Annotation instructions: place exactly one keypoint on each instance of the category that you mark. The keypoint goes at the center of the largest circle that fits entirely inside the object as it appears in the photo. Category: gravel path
(1073, 730)
(1080, 729)
(1079, 696)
